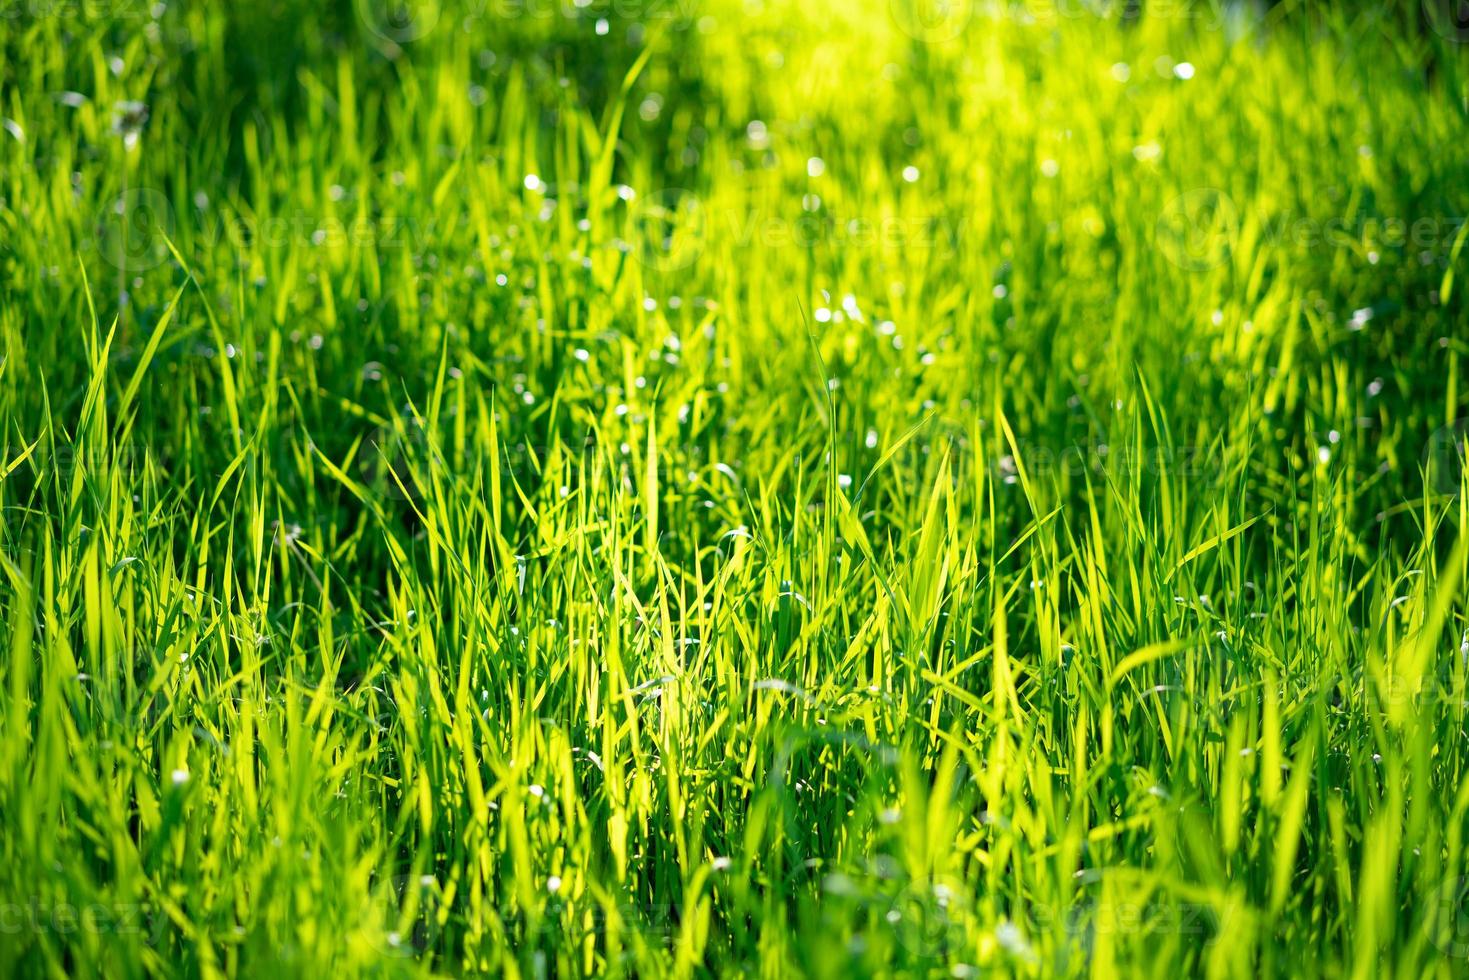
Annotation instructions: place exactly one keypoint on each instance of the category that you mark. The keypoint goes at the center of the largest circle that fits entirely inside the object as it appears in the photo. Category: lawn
(698, 487)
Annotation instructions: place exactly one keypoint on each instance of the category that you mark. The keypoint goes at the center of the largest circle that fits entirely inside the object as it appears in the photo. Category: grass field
(694, 487)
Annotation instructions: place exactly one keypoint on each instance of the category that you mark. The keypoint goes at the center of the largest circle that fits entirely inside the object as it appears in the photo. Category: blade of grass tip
(1211, 544)
(91, 303)
(149, 350)
(229, 471)
(1015, 454)
(894, 449)
(601, 175)
(1446, 288)
(1292, 819)
(1138, 658)
(1026, 535)
(22, 658)
(1410, 674)
(833, 484)
(650, 487)
(94, 406)
(227, 374)
(15, 464)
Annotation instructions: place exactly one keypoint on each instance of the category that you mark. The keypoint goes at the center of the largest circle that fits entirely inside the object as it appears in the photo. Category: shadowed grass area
(701, 487)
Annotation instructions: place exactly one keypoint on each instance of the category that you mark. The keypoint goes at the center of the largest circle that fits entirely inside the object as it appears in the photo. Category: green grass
(814, 489)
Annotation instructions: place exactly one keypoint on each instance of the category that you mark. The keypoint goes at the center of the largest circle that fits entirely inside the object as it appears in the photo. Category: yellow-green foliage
(732, 487)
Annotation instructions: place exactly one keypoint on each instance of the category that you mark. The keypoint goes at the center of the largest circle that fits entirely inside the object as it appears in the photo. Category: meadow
(701, 487)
